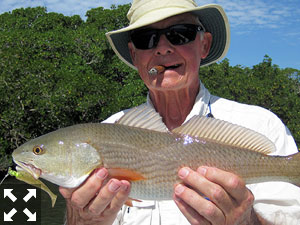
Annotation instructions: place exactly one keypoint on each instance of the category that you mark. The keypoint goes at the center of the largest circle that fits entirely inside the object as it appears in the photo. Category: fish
(139, 148)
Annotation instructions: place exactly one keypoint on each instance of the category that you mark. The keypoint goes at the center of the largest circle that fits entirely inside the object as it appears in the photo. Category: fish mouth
(35, 172)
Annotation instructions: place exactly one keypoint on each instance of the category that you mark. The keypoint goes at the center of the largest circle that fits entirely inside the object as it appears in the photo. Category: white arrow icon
(31, 216)
(7, 193)
(31, 193)
(7, 217)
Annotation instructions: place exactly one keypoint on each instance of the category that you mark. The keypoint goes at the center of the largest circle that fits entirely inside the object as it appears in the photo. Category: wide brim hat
(145, 12)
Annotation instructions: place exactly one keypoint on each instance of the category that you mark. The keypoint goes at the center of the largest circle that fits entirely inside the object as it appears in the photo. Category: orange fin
(125, 174)
(129, 201)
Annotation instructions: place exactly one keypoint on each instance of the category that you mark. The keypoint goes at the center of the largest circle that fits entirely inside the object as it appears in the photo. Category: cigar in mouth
(156, 70)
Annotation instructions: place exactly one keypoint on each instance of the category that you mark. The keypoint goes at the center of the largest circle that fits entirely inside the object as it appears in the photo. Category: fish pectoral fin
(226, 133)
(125, 174)
(129, 201)
(143, 117)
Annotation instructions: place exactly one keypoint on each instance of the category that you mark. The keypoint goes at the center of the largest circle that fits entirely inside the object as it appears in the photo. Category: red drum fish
(139, 148)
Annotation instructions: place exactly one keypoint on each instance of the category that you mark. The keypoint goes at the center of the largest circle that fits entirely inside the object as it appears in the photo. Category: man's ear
(132, 52)
(206, 43)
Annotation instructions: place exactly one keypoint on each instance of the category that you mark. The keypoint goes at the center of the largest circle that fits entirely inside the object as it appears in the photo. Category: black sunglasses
(178, 34)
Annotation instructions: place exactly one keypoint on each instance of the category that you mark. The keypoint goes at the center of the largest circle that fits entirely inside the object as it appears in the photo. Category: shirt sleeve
(113, 118)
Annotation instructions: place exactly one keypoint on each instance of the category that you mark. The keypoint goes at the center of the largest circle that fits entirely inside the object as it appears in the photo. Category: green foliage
(56, 71)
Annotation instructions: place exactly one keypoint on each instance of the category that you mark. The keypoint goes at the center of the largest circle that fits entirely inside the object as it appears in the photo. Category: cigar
(156, 70)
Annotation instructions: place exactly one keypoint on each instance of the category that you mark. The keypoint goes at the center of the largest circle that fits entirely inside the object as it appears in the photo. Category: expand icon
(20, 204)
(8, 216)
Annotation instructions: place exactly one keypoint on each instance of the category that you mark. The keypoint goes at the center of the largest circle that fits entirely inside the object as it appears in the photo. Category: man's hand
(229, 201)
(97, 201)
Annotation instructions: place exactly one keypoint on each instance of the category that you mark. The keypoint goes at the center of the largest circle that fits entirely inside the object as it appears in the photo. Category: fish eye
(38, 150)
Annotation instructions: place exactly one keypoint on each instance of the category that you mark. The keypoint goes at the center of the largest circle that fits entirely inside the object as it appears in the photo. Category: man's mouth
(175, 66)
(161, 68)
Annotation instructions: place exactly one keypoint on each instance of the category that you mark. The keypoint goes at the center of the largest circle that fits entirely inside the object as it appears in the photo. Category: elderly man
(180, 37)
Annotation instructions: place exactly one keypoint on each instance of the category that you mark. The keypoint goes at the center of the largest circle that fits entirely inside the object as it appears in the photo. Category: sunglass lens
(180, 35)
(145, 39)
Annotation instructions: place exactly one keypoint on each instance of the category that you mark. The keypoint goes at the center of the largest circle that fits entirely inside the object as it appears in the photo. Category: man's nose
(164, 46)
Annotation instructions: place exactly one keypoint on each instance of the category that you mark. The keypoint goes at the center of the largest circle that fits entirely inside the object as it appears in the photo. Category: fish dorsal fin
(226, 133)
(143, 117)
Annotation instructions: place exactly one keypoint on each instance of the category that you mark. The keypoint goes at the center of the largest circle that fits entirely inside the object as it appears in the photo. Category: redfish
(139, 148)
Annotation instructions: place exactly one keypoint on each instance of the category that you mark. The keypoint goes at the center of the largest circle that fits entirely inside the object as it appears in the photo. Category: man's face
(182, 61)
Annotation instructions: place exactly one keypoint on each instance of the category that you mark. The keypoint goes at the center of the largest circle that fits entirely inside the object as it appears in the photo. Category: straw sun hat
(145, 12)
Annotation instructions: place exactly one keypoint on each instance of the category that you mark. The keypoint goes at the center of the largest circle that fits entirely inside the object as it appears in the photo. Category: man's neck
(174, 105)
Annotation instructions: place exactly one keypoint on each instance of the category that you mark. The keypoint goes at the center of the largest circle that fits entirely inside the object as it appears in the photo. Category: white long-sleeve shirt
(278, 202)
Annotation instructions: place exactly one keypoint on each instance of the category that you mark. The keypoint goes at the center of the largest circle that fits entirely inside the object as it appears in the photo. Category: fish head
(64, 160)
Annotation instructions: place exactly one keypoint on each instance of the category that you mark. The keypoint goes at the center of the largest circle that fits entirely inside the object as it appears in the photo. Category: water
(49, 215)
